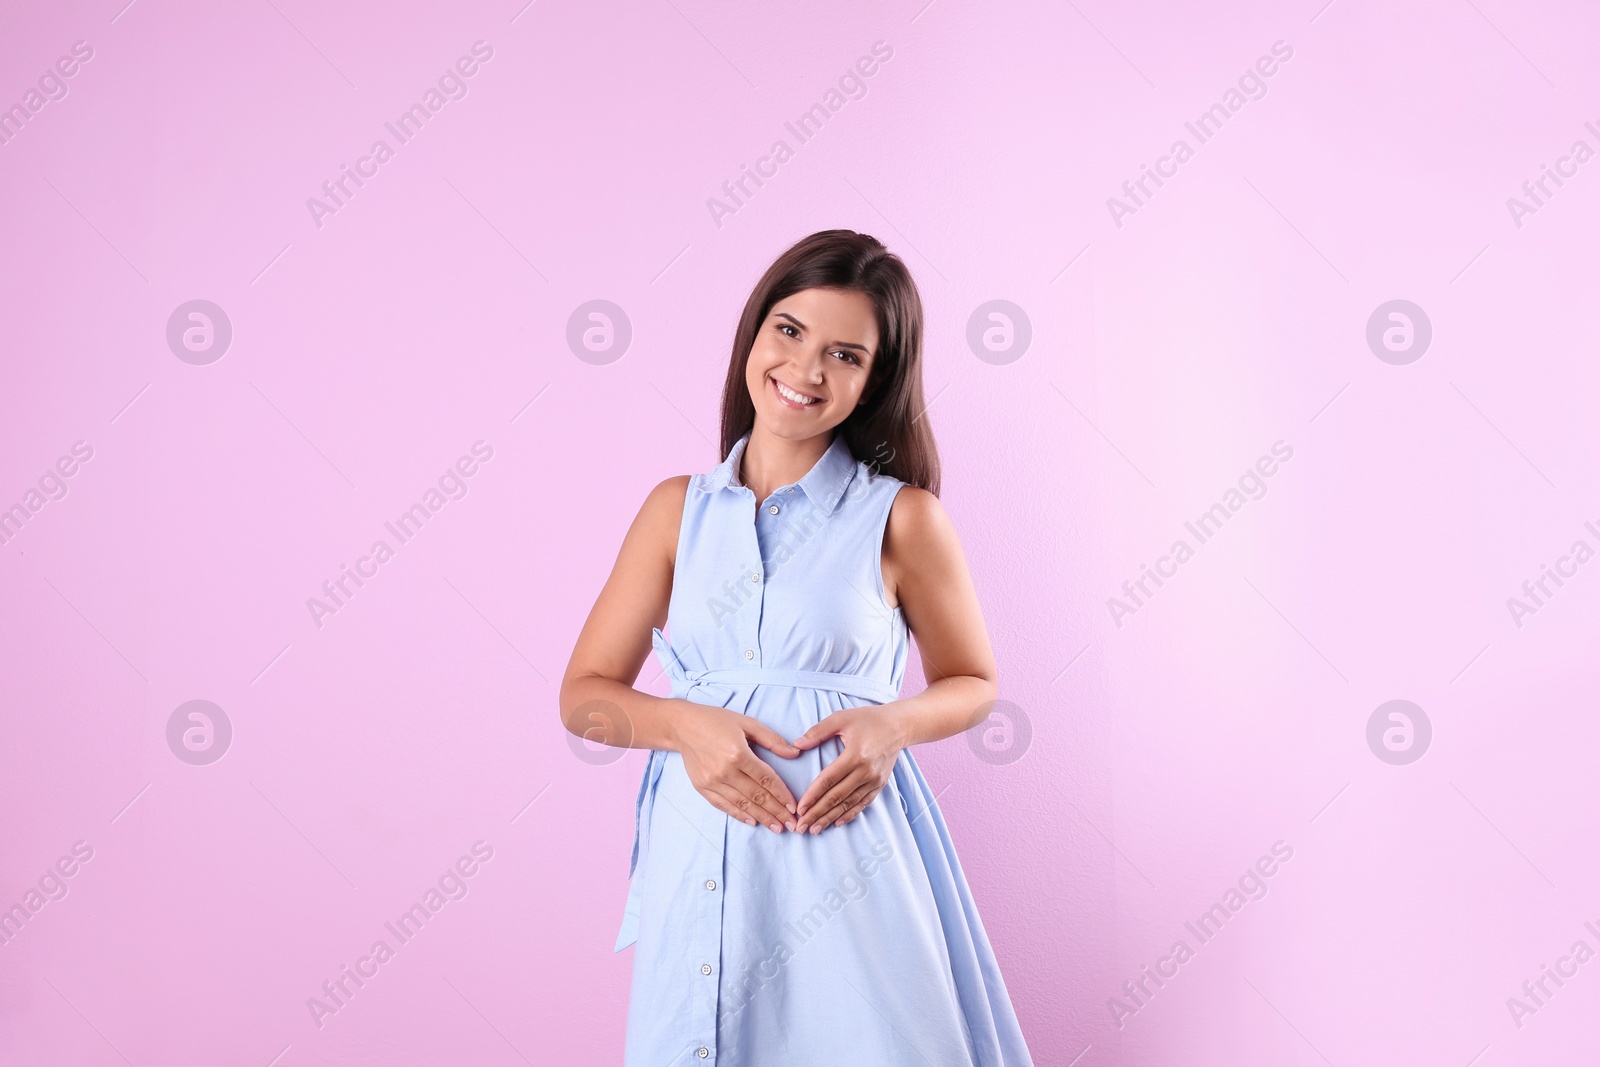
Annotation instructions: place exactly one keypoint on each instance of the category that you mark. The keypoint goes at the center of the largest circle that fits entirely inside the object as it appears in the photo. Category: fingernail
(789, 824)
(791, 809)
(775, 828)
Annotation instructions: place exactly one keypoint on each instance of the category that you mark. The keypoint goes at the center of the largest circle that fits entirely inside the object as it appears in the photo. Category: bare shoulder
(918, 538)
(668, 494)
(662, 514)
(916, 513)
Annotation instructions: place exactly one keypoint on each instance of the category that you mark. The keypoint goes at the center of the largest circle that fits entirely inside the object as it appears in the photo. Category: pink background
(430, 312)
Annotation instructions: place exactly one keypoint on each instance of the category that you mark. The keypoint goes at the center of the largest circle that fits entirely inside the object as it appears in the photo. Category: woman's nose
(811, 366)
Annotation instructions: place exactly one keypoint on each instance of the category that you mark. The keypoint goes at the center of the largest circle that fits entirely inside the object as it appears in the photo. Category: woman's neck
(770, 461)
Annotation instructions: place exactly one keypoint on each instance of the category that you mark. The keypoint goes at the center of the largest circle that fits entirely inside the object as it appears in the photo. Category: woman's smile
(794, 398)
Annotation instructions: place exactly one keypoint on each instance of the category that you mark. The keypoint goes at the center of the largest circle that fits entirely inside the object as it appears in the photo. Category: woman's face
(820, 344)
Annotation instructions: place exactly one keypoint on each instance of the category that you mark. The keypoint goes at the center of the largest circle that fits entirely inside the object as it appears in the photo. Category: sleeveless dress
(857, 945)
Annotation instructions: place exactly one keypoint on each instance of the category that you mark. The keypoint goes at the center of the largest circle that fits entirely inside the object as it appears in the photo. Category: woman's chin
(793, 423)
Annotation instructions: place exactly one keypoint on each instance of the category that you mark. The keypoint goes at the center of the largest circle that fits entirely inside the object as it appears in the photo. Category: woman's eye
(851, 356)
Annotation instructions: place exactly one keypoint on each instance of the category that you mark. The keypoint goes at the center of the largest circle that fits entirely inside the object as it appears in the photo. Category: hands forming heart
(723, 768)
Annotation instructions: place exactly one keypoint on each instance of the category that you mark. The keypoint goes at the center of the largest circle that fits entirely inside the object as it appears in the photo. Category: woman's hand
(873, 736)
(715, 745)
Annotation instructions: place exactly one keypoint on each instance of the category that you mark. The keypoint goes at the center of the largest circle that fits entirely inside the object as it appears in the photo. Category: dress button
(773, 510)
(711, 883)
(702, 1052)
(705, 968)
(756, 577)
(749, 653)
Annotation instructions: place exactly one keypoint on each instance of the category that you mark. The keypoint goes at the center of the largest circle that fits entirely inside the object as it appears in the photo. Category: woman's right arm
(598, 701)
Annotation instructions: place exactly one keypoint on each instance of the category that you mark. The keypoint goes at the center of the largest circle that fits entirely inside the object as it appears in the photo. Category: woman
(795, 896)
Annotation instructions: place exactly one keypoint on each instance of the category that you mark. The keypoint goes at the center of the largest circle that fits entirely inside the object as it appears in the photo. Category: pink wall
(1172, 346)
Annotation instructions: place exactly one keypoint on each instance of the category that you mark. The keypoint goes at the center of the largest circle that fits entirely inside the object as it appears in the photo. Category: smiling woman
(780, 767)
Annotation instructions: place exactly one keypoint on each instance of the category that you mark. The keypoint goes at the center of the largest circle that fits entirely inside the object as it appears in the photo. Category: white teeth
(792, 395)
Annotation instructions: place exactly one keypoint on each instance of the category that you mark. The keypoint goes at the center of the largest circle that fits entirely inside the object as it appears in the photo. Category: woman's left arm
(934, 588)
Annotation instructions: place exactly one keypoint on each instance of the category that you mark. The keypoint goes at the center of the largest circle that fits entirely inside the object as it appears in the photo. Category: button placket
(705, 947)
(751, 620)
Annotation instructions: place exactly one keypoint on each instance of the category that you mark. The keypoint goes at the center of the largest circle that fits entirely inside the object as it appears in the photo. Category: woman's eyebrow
(841, 344)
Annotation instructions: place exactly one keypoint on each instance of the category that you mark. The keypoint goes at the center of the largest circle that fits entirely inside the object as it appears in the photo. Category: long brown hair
(889, 429)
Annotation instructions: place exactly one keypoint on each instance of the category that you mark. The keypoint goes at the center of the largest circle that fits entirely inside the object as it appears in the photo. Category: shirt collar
(824, 484)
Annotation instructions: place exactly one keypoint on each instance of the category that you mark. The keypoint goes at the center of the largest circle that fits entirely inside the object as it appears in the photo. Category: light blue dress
(857, 945)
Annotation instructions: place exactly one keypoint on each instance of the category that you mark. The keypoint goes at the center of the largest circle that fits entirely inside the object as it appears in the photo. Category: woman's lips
(786, 402)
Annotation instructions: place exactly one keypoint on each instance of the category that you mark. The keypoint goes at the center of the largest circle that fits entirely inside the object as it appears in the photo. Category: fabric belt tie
(717, 682)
